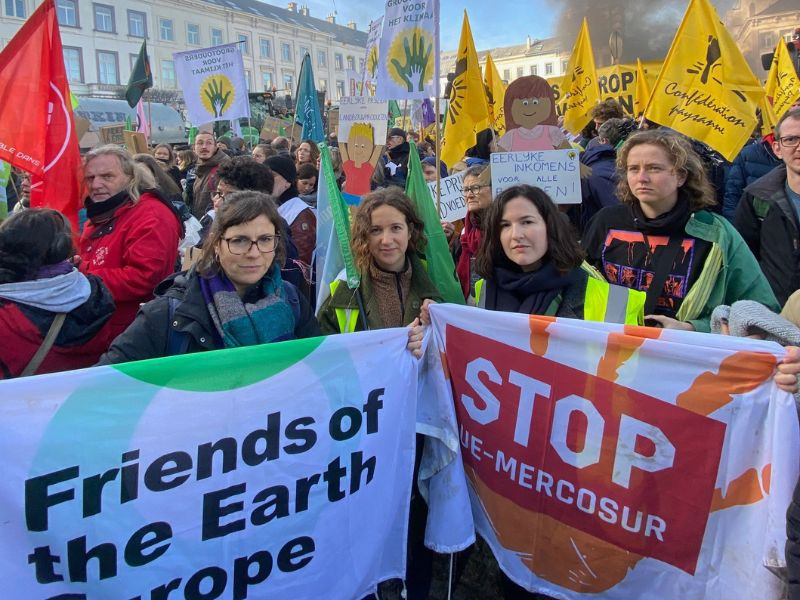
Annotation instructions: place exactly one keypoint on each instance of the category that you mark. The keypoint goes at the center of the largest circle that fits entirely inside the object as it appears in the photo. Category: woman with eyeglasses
(478, 196)
(233, 297)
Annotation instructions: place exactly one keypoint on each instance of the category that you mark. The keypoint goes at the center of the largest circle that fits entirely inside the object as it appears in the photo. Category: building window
(288, 82)
(104, 18)
(168, 74)
(322, 58)
(15, 8)
(507, 74)
(74, 64)
(107, 67)
(266, 80)
(323, 85)
(249, 79)
(351, 63)
(360, 65)
(137, 24)
(68, 13)
(132, 58)
(265, 47)
(303, 51)
(548, 68)
(193, 34)
(166, 32)
(216, 37)
(534, 69)
(338, 62)
(564, 66)
(286, 52)
(520, 71)
(339, 89)
(244, 43)
(767, 40)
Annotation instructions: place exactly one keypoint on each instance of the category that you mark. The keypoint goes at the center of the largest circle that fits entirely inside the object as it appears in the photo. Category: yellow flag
(468, 108)
(642, 90)
(495, 93)
(580, 83)
(768, 118)
(706, 89)
(783, 86)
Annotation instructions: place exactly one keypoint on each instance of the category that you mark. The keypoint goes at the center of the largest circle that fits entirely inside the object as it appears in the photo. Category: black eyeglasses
(789, 141)
(474, 189)
(239, 244)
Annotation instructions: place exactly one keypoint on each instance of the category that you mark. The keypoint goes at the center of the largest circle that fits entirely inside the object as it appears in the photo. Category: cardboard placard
(135, 141)
(557, 172)
(333, 122)
(452, 205)
(272, 128)
(112, 134)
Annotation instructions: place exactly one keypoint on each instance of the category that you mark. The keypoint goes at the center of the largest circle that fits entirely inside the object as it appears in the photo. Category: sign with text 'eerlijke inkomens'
(557, 172)
(275, 471)
(213, 83)
(622, 462)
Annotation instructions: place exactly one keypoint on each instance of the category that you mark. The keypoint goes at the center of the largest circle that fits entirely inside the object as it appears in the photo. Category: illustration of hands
(416, 62)
(218, 100)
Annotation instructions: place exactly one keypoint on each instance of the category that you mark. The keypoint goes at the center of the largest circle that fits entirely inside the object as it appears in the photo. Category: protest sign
(213, 83)
(274, 127)
(370, 72)
(333, 122)
(452, 205)
(557, 172)
(591, 476)
(135, 142)
(362, 135)
(274, 471)
(408, 54)
(112, 134)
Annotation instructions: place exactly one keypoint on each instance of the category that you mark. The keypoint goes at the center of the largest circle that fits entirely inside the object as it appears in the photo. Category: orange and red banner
(626, 462)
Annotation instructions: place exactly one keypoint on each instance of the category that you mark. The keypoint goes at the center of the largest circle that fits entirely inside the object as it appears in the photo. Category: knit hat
(747, 317)
(397, 131)
(283, 165)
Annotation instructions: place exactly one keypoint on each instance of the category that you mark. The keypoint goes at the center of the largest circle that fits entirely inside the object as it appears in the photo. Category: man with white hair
(131, 237)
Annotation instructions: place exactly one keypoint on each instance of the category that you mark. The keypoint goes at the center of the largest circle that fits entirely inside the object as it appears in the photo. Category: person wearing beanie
(300, 216)
(395, 168)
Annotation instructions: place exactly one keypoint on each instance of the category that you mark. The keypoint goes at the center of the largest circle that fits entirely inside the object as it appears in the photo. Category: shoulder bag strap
(48, 342)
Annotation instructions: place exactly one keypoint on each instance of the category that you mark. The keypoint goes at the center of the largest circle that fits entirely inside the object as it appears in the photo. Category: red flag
(37, 129)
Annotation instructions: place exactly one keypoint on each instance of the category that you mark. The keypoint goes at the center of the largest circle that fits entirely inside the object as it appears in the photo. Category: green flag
(394, 112)
(441, 268)
(141, 78)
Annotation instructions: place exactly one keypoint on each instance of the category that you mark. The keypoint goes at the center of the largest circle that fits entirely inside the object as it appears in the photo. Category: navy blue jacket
(754, 161)
(597, 190)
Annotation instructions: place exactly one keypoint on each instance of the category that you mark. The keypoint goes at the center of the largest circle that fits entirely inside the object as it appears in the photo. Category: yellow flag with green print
(706, 89)
(495, 94)
(580, 83)
(783, 85)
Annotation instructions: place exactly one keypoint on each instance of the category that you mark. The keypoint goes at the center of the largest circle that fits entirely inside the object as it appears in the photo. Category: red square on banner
(625, 467)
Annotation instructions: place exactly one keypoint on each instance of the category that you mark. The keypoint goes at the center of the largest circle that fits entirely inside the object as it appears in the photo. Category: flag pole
(438, 157)
(149, 118)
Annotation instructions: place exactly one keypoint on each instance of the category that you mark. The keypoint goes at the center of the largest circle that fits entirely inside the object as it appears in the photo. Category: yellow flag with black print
(467, 108)
(495, 94)
(642, 90)
(580, 83)
(783, 85)
(706, 89)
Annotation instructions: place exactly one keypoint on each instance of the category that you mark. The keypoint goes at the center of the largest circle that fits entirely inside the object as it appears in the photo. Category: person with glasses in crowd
(478, 196)
(769, 211)
(234, 296)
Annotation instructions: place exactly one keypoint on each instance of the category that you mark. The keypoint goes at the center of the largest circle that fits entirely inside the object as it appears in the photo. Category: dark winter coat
(399, 156)
(768, 223)
(201, 183)
(149, 335)
(597, 190)
(753, 162)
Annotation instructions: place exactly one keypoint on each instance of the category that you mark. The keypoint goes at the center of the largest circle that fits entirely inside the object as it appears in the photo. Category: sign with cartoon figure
(531, 119)
(557, 172)
(213, 83)
(362, 133)
(409, 46)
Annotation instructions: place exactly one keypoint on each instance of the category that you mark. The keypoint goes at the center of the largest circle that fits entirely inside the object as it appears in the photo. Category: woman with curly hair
(663, 240)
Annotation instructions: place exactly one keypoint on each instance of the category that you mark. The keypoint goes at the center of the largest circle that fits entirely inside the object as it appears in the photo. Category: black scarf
(672, 222)
(526, 293)
(101, 212)
(290, 193)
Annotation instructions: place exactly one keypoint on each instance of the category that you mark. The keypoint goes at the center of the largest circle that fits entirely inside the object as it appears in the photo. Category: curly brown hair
(239, 208)
(362, 222)
(562, 241)
(696, 189)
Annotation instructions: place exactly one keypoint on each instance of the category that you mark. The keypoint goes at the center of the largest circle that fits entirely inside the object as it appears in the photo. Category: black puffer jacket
(768, 223)
(149, 334)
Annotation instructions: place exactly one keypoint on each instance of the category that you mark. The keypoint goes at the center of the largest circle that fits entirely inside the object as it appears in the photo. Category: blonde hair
(361, 130)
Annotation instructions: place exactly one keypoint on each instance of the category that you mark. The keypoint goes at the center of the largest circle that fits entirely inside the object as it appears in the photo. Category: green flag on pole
(141, 78)
(441, 268)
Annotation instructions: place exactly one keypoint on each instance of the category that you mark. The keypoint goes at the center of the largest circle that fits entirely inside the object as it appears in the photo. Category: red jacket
(132, 253)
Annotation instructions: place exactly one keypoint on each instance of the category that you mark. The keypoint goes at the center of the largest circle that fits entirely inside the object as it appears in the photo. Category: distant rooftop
(532, 47)
(781, 6)
(297, 17)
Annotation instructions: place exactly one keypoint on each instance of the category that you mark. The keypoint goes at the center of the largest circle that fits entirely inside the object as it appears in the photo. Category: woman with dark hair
(307, 152)
(531, 263)
(52, 316)
(165, 155)
(233, 297)
(663, 240)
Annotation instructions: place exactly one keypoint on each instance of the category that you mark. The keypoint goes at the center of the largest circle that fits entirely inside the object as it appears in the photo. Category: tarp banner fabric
(620, 462)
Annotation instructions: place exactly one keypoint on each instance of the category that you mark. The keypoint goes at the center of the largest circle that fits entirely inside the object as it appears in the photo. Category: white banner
(557, 172)
(618, 462)
(370, 72)
(452, 205)
(274, 471)
(213, 83)
(408, 59)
